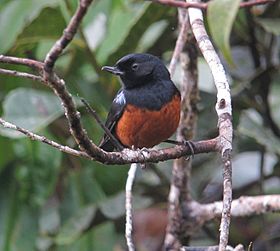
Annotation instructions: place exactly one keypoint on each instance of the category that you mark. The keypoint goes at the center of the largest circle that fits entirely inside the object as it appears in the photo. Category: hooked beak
(113, 69)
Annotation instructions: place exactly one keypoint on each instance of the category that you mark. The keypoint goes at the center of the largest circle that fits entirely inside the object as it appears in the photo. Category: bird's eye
(134, 67)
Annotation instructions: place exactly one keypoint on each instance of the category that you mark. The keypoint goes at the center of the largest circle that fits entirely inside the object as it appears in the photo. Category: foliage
(52, 201)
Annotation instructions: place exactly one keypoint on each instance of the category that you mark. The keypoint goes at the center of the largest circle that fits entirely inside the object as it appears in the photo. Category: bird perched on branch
(146, 110)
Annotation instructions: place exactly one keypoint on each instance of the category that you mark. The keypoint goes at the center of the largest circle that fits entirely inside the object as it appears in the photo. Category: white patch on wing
(120, 98)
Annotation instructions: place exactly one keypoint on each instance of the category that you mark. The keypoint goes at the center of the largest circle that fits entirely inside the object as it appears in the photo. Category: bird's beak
(113, 69)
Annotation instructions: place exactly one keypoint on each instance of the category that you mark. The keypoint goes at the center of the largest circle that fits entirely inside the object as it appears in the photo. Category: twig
(68, 35)
(106, 130)
(180, 43)
(128, 206)
(203, 6)
(43, 139)
(22, 75)
(223, 109)
(22, 61)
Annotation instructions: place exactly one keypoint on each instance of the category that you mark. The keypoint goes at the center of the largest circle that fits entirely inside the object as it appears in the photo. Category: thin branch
(106, 130)
(22, 75)
(43, 139)
(73, 116)
(180, 43)
(66, 38)
(223, 109)
(22, 61)
(128, 206)
(203, 6)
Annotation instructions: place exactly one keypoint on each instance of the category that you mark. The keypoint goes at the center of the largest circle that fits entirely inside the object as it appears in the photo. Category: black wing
(114, 115)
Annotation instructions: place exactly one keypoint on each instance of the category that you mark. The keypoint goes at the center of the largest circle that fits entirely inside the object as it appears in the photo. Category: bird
(146, 110)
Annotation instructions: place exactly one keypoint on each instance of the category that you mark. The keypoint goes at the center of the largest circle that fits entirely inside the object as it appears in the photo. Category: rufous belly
(144, 128)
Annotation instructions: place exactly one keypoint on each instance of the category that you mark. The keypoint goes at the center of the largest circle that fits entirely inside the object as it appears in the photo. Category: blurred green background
(54, 201)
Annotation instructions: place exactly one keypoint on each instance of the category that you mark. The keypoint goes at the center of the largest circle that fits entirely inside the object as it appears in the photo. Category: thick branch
(241, 207)
(128, 156)
(223, 109)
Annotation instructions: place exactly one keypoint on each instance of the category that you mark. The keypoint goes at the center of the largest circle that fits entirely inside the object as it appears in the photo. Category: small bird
(146, 110)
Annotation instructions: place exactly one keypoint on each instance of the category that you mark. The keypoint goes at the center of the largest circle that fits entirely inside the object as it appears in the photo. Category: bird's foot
(184, 142)
(143, 152)
(189, 143)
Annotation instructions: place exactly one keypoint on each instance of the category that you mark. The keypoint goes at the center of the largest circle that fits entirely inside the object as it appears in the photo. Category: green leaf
(30, 109)
(271, 25)
(250, 126)
(9, 212)
(126, 27)
(113, 207)
(220, 17)
(5, 146)
(37, 177)
(151, 35)
(76, 225)
(34, 33)
(15, 16)
(100, 234)
(25, 231)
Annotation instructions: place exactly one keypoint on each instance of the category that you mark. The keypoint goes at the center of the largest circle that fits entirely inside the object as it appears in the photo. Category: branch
(116, 143)
(180, 43)
(22, 61)
(22, 75)
(43, 139)
(128, 206)
(241, 207)
(128, 156)
(179, 225)
(213, 248)
(203, 6)
(66, 38)
(223, 109)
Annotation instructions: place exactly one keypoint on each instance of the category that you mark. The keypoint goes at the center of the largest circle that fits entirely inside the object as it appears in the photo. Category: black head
(139, 69)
